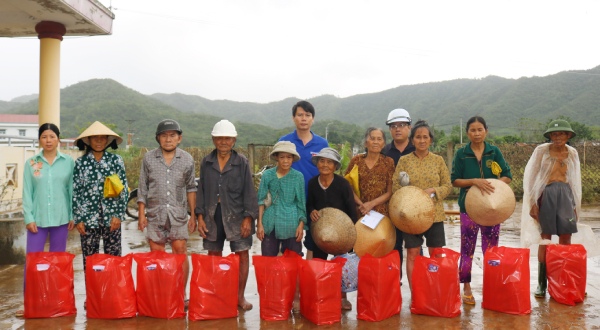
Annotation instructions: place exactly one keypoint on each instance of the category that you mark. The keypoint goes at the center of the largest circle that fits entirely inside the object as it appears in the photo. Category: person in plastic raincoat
(552, 196)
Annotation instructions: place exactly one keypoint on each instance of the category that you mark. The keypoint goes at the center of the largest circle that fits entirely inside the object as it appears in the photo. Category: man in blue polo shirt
(307, 144)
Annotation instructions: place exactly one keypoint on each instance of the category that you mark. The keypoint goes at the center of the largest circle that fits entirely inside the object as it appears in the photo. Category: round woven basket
(377, 242)
(334, 232)
(412, 210)
(490, 209)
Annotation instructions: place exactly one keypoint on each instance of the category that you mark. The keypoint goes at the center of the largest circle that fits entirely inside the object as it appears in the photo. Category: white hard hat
(398, 115)
(224, 128)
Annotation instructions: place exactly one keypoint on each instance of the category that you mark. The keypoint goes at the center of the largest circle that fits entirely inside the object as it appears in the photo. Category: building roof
(18, 18)
(20, 119)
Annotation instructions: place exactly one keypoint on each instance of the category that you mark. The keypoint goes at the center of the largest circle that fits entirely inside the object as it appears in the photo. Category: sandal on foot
(466, 301)
(20, 312)
(296, 307)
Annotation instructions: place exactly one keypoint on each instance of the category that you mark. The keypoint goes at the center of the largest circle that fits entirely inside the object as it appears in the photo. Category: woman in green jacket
(472, 165)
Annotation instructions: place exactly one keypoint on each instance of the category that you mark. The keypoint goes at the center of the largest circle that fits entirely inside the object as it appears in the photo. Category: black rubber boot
(542, 281)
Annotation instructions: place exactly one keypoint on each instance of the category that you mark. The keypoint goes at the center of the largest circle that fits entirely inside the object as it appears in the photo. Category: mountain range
(502, 102)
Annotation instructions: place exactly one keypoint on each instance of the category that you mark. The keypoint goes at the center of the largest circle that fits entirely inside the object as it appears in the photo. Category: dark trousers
(270, 246)
(90, 242)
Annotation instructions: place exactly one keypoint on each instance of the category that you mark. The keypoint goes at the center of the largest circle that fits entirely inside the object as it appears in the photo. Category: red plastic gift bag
(49, 285)
(160, 287)
(214, 287)
(566, 267)
(109, 287)
(379, 287)
(276, 279)
(435, 287)
(321, 290)
(506, 286)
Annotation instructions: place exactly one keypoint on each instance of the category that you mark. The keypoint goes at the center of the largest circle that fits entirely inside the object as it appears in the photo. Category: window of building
(21, 132)
(2, 131)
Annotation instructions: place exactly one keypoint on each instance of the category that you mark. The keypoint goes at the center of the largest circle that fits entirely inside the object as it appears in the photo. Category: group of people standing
(226, 207)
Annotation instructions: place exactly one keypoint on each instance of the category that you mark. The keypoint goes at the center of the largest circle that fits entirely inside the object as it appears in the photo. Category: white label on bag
(99, 268)
(224, 266)
(42, 267)
(151, 267)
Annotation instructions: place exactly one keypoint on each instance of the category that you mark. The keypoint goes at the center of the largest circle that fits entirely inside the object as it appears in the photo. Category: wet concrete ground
(546, 313)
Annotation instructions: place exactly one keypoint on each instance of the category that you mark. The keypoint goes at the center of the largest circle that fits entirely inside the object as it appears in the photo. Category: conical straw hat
(97, 128)
(334, 232)
(412, 210)
(490, 210)
(377, 242)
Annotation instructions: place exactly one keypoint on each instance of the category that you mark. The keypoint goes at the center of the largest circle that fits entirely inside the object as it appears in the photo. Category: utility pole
(327, 130)
(129, 133)
(460, 130)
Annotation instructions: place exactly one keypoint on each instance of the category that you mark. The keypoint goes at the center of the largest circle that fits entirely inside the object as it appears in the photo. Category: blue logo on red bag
(494, 262)
(432, 268)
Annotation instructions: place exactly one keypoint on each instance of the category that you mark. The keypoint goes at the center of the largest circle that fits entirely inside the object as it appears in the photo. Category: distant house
(14, 126)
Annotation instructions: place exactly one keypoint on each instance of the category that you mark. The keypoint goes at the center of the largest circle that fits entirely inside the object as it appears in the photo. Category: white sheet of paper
(372, 219)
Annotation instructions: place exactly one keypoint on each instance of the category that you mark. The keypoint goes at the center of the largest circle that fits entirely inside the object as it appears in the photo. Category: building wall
(31, 130)
(11, 156)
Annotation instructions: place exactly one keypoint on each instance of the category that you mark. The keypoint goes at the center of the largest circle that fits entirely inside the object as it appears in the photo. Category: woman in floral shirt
(98, 217)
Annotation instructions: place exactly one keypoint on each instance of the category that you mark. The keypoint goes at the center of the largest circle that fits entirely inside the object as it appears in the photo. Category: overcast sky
(264, 51)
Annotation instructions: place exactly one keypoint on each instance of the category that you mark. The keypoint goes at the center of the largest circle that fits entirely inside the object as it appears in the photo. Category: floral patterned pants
(90, 243)
(468, 241)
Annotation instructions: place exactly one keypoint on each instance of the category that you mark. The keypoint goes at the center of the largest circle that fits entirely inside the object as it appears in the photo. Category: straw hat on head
(377, 242)
(97, 128)
(490, 209)
(328, 153)
(412, 210)
(284, 146)
(334, 232)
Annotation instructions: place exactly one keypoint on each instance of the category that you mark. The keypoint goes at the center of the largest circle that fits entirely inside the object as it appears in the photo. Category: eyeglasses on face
(401, 125)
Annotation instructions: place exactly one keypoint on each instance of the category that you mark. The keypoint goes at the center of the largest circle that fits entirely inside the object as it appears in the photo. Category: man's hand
(115, 223)
(246, 227)
(535, 213)
(192, 224)
(142, 222)
(202, 226)
(81, 228)
(32, 227)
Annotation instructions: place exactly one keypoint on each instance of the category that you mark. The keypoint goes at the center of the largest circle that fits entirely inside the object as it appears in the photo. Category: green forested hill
(108, 101)
(501, 101)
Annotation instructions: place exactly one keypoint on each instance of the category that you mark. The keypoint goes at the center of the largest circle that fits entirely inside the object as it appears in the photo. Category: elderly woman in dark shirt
(329, 190)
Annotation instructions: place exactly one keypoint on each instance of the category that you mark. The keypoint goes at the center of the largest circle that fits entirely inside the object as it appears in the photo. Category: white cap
(224, 128)
(397, 115)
